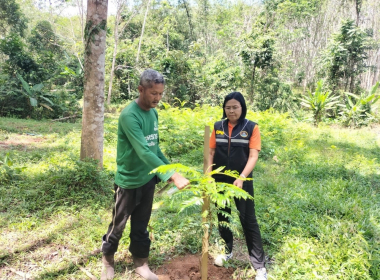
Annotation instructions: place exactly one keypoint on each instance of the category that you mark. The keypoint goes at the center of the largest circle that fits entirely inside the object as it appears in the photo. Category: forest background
(309, 71)
(274, 52)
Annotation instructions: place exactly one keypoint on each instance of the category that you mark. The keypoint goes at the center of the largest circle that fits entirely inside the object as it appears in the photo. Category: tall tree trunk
(81, 17)
(142, 32)
(93, 95)
(167, 40)
(112, 68)
(376, 71)
(189, 19)
(358, 4)
(352, 83)
(253, 81)
(205, 24)
(206, 219)
(120, 7)
(116, 38)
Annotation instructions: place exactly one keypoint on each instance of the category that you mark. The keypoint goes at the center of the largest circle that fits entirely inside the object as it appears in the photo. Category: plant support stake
(205, 208)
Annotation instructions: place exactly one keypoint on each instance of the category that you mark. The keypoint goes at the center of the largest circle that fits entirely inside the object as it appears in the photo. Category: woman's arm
(252, 159)
(210, 159)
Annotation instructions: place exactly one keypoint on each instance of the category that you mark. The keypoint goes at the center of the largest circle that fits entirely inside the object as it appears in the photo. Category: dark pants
(137, 204)
(250, 226)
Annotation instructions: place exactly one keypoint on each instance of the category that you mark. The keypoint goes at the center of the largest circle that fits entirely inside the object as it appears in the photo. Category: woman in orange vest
(235, 143)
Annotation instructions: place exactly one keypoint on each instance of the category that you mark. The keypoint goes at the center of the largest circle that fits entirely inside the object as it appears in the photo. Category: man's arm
(132, 130)
(161, 156)
(179, 181)
(140, 145)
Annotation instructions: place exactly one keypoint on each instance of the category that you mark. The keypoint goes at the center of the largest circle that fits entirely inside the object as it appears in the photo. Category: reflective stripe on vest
(239, 141)
(221, 140)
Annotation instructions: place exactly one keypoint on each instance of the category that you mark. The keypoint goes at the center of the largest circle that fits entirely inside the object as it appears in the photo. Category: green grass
(322, 215)
(317, 193)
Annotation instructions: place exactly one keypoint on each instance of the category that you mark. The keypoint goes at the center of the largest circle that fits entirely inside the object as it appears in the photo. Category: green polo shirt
(138, 152)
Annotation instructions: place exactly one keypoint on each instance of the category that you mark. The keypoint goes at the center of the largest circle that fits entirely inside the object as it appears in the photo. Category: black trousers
(250, 226)
(137, 204)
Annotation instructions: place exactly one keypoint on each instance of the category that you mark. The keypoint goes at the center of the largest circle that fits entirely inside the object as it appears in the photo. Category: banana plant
(34, 93)
(319, 102)
(204, 186)
(369, 99)
(359, 107)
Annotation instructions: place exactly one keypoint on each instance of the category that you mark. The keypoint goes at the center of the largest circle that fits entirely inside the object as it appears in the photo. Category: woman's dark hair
(239, 97)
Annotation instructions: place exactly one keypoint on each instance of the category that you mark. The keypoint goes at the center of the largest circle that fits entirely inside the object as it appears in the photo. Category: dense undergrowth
(317, 193)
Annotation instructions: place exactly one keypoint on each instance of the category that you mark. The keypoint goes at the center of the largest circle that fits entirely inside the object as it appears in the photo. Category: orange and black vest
(232, 152)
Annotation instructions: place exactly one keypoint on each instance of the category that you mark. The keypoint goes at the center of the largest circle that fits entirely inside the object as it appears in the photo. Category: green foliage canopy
(11, 18)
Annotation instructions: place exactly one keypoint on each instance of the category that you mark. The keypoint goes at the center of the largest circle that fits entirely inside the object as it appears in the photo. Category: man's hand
(238, 183)
(179, 181)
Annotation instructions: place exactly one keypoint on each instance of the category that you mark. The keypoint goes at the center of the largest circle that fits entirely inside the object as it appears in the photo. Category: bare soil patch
(20, 141)
(188, 268)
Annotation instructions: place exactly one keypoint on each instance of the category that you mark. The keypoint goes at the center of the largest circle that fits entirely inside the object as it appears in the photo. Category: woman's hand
(238, 183)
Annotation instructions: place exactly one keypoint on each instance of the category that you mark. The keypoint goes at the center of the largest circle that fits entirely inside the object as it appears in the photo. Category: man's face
(149, 97)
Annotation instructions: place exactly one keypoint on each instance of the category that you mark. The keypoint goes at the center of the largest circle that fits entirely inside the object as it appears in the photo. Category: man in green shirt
(138, 153)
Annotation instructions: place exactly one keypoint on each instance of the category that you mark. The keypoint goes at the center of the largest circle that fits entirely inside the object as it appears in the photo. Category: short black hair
(239, 97)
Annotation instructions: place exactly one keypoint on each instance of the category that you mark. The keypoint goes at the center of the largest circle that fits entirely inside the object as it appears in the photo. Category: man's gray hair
(150, 76)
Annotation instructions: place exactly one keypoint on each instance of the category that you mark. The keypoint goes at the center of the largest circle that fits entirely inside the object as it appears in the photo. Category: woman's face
(233, 110)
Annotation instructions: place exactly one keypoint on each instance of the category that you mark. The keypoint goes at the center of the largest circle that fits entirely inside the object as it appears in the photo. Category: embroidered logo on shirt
(243, 134)
(219, 132)
(155, 126)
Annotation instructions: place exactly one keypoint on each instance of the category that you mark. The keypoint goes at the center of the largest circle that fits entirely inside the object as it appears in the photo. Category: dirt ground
(188, 268)
(20, 141)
